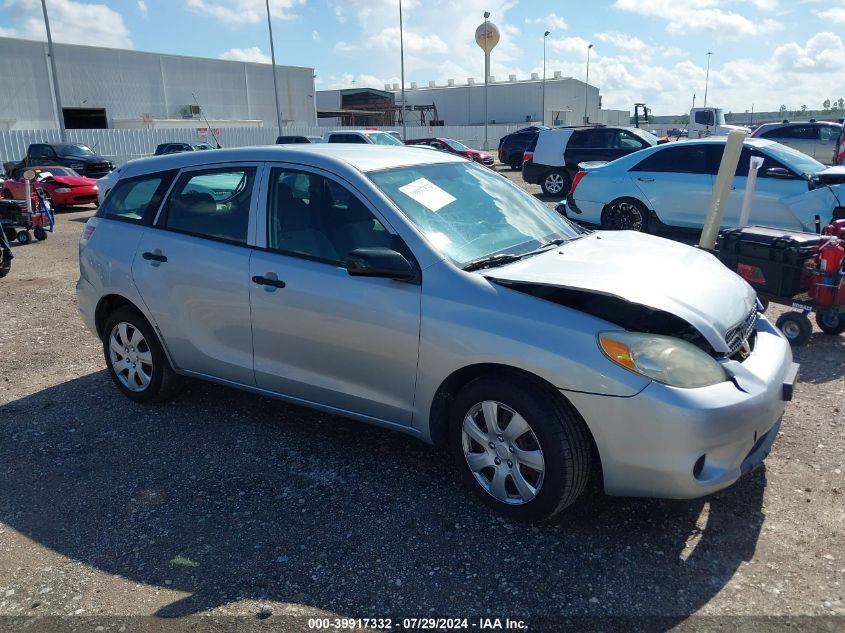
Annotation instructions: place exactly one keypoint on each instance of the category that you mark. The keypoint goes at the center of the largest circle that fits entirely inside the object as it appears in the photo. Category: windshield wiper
(492, 260)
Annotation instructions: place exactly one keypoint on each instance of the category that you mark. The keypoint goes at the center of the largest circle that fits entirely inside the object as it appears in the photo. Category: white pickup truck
(705, 122)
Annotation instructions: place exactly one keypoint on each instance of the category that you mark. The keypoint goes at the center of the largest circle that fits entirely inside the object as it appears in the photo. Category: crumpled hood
(651, 271)
(73, 181)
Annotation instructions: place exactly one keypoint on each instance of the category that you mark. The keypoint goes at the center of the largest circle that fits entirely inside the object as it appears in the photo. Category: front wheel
(555, 183)
(795, 327)
(520, 447)
(625, 214)
(40, 233)
(135, 358)
(830, 323)
(24, 237)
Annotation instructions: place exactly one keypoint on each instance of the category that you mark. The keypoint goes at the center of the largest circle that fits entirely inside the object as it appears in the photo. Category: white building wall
(516, 102)
(129, 84)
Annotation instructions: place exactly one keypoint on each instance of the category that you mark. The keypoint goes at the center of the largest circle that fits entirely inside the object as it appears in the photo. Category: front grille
(737, 335)
(97, 170)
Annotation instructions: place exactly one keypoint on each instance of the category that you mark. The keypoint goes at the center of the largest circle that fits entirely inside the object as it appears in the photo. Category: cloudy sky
(764, 52)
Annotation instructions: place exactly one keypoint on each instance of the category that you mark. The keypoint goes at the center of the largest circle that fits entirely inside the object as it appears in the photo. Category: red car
(455, 147)
(63, 185)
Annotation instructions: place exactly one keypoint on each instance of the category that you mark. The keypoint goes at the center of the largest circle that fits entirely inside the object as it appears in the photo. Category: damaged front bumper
(684, 443)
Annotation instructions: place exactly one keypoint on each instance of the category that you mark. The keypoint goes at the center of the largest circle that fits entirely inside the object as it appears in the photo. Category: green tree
(803, 108)
(826, 105)
(841, 103)
(782, 110)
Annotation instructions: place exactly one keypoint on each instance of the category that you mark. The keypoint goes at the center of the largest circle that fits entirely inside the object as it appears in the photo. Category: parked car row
(818, 139)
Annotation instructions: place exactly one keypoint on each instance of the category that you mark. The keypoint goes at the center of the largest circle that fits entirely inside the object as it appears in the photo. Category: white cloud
(315, 35)
(701, 15)
(823, 53)
(71, 22)
(251, 54)
(552, 22)
(236, 12)
(575, 45)
(834, 14)
(142, 7)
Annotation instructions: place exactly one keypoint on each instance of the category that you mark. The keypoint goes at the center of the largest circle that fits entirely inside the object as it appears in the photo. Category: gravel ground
(222, 504)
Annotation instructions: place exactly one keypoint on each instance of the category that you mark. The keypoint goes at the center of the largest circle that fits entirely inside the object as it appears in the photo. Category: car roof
(333, 157)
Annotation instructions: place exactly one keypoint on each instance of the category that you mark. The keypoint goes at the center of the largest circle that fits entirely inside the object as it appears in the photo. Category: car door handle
(646, 179)
(154, 257)
(266, 281)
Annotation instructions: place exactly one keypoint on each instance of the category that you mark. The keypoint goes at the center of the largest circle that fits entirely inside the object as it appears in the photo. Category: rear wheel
(516, 163)
(10, 232)
(830, 323)
(555, 183)
(40, 233)
(136, 360)
(795, 327)
(520, 447)
(625, 214)
(24, 237)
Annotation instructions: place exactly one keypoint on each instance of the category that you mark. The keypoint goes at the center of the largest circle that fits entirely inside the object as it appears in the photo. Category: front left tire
(520, 447)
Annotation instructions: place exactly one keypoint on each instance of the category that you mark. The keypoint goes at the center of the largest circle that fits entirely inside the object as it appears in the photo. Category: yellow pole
(721, 189)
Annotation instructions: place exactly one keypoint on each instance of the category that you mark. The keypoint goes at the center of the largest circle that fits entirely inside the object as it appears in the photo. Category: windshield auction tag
(427, 194)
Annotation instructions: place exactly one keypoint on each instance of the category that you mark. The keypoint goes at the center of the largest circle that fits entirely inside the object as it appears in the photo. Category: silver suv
(814, 138)
(424, 293)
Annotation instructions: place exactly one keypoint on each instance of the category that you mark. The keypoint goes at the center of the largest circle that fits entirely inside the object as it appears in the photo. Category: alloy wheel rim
(502, 452)
(130, 357)
(626, 216)
(554, 183)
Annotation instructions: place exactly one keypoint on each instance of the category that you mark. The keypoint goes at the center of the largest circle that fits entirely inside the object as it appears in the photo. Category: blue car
(671, 185)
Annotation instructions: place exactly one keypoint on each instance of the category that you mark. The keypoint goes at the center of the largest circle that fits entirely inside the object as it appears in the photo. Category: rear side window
(136, 200)
(346, 138)
(828, 133)
(679, 159)
(212, 203)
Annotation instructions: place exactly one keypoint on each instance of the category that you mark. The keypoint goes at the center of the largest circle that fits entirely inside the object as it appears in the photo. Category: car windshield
(456, 145)
(648, 137)
(55, 170)
(795, 160)
(74, 150)
(383, 138)
(469, 213)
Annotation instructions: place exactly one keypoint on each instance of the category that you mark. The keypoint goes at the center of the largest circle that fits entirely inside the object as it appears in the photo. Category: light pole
(402, 71)
(543, 118)
(587, 86)
(707, 79)
(273, 61)
(60, 118)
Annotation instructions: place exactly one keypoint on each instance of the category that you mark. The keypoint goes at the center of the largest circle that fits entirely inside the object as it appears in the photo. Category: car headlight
(62, 190)
(665, 359)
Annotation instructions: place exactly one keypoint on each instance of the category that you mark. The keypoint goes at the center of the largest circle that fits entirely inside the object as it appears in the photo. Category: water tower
(486, 36)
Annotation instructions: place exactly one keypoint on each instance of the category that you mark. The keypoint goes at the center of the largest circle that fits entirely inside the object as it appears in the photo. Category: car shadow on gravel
(822, 359)
(229, 496)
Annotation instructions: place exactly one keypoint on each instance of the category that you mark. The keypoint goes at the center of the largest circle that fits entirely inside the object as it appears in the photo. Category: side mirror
(778, 172)
(380, 262)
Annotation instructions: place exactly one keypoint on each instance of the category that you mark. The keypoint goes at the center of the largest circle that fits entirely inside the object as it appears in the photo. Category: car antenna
(208, 125)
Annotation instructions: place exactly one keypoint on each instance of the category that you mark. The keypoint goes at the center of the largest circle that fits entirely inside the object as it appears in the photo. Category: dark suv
(552, 159)
(513, 145)
(78, 157)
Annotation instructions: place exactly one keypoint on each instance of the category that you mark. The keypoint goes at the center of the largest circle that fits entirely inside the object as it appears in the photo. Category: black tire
(11, 233)
(625, 214)
(8, 194)
(558, 429)
(40, 233)
(164, 383)
(795, 327)
(516, 162)
(830, 323)
(556, 184)
(24, 237)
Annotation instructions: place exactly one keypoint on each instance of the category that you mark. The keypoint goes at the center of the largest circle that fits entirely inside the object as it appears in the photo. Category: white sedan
(671, 185)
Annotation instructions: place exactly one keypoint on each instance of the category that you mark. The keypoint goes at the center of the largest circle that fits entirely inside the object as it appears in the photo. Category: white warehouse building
(512, 102)
(103, 87)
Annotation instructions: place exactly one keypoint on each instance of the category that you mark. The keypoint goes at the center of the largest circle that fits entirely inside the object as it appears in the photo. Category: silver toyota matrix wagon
(421, 292)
